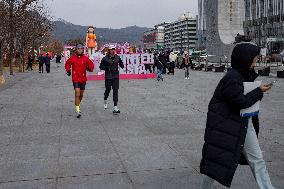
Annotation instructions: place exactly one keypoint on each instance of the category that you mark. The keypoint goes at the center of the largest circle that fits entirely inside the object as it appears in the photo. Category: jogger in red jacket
(79, 64)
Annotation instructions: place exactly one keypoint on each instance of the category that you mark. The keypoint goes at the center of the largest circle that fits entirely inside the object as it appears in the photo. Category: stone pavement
(154, 144)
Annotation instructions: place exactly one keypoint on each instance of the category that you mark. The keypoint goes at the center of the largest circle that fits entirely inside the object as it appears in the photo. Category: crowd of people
(229, 138)
(167, 61)
(42, 60)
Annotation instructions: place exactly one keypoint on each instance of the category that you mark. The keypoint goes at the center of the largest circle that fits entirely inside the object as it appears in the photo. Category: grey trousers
(254, 157)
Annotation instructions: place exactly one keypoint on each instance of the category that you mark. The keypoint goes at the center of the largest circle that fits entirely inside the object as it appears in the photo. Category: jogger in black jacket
(111, 63)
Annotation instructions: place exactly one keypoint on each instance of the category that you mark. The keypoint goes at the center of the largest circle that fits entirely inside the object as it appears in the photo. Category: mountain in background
(65, 31)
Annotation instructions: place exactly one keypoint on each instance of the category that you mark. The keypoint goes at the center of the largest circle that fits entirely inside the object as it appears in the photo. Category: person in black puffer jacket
(111, 63)
(227, 134)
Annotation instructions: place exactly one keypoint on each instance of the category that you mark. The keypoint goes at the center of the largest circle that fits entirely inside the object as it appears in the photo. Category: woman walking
(227, 134)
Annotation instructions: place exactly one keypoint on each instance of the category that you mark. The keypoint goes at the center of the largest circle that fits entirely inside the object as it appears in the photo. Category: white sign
(133, 63)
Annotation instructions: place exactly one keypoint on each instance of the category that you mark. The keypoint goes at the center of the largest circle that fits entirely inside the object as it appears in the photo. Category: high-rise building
(155, 39)
(149, 39)
(181, 34)
(264, 23)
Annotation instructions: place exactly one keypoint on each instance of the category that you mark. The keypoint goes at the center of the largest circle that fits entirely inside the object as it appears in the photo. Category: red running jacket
(79, 65)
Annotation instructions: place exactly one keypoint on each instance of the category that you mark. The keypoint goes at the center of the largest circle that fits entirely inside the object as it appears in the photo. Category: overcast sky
(120, 13)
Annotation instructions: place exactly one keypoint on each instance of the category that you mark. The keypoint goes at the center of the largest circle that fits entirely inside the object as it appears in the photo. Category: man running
(111, 63)
(79, 63)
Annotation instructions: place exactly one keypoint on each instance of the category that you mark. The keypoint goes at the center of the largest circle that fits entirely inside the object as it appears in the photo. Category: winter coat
(187, 61)
(158, 64)
(41, 60)
(79, 65)
(172, 57)
(47, 60)
(58, 58)
(226, 130)
(111, 66)
(30, 60)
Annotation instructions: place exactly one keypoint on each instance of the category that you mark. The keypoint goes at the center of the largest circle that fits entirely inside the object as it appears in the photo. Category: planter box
(280, 74)
(220, 68)
(264, 71)
(209, 68)
(198, 67)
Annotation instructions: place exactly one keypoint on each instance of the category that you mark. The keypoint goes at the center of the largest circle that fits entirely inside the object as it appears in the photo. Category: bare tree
(74, 42)
(33, 32)
(56, 46)
(25, 22)
(3, 36)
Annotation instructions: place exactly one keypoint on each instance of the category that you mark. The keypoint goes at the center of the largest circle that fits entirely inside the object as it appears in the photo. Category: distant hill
(65, 31)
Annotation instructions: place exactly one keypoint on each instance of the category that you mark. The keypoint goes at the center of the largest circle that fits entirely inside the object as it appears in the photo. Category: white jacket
(173, 57)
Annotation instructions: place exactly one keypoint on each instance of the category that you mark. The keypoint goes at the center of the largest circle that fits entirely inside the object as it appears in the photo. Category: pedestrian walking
(58, 59)
(172, 62)
(162, 58)
(30, 62)
(158, 64)
(40, 63)
(77, 65)
(187, 63)
(179, 59)
(47, 60)
(227, 134)
(110, 64)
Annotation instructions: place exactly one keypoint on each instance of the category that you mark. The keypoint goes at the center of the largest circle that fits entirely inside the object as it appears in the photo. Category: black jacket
(30, 60)
(111, 66)
(58, 58)
(47, 60)
(158, 64)
(226, 130)
(41, 60)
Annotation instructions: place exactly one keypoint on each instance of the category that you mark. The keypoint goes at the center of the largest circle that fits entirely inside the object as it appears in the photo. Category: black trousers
(47, 68)
(40, 68)
(172, 68)
(164, 68)
(114, 85)
(29, 66)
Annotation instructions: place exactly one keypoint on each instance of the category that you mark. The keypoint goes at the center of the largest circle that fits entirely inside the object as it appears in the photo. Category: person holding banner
(79, 64)
(228, 135)
(110, 64)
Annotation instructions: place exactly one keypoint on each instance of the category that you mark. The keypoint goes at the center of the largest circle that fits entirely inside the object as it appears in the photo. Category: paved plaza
(155, 143)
